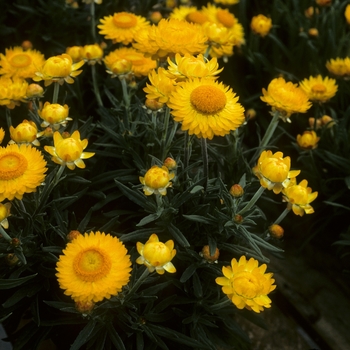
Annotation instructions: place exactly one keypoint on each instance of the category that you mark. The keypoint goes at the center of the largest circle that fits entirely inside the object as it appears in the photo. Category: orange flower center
(92, 264)
(226, 18)
(319, 88)
(12, 166)
(124, 20)
(20, 60)
(246, 285)
(208, 99)
(196, 17)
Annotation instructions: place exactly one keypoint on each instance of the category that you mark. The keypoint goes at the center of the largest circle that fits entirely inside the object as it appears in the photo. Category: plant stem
(8, 117)
(252, 201)
(95, 86)
(222, 304)
(92, 13)
(205, 161)
(126, 99)
(282, 216)
(5, 235)
(56, 89)
(139, 281)
(165, 133)
(186, 151)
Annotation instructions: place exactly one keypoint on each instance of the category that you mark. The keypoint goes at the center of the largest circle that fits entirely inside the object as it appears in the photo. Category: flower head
(308, 140)
(261, 25)
(20, 63)
(22, 170)
(205, 253)
(75, 53)
(206, 108)
(236, 191)
(91, 54)
(122, 27)
(226, 2)
(59, 69)
(156, 180)
(299, 197)
(12, 91)
(34, 91)
(246, 284)
(273, 171)
(54, 115)
(4, 214)
(347, 13)
(285, 97)
(189, 14)
(319, 89)
(25, 132)
(93, 266)
(156, 255)
(340, 67)
(69, 151)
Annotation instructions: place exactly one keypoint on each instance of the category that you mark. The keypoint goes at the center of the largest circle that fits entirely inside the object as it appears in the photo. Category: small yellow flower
(313, 32)
(315, 123)
(308, 140)
(153, 105)
(54, 115)
(156, 180)
(12, 91)
(327, 121)
(156, 255)
(4, 214)
(347, 13)
(25, 132)
(285, 97)
(246, 284)
(170, 163)
(155, 17)
(319, 89)
(91, 54)
(340, 67)
(299, 197)
(273, 171)
(59, 69)
(34, 91)
(220, 16)
(261, 25)
(69, 151)
(75, 53)
(276, 231)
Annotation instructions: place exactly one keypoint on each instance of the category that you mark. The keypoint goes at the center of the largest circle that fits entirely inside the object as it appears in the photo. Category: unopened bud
(84, 307)
(170, 163)
(236, 191)
(276, 231)
(73, 235)
(238, 219)
(206, 254)
(153, 105)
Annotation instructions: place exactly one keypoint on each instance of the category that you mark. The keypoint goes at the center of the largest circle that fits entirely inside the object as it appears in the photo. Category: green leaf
(84, 336)
(115, 338)
(190, 270)
(11, 283)
(199, 218)
(178, 235)
(149, 218)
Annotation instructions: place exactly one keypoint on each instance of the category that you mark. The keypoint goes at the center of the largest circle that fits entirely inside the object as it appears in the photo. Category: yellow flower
(4, 214)
(59, 69)
(347, 13)
(54, 115)
(20, 63)
(34, 91)
(319, 89)
(156, 255)
(226, 2)
(273, 171)
(308, 140)
(91, 53)
(2, 134)
(122, 27)
(189, 14)
(246, 284)
(69, 151)
(75, 53)
(140, 65)
(327, 121)
(285, 97)
(299, 197)
(93, 266)
(220, 16)
(206, 108)
(261, 25)
(161, 86)
(25, 132)
(340, 67)
(169, 37)
(156, 180)
(186, 67)
(22, 170)
(12, 91)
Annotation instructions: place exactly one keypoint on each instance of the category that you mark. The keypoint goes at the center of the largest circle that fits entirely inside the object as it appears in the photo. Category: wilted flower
(319, 89)
(308, 140)
(156, 180)
(54, 115)
(261, 25)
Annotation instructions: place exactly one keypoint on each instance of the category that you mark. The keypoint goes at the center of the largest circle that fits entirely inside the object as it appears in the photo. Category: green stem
(95, 86)
(93, 25)
(5, 235)
(222, 304)
(252, 201)
(282, 216)
(165, 133)
(56, 89)
(139, 282)
(205, 161)
(126, 99)
(186, 151)
(8, 117)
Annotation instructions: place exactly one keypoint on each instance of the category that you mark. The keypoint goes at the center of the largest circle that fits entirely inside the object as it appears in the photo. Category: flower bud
(27, 45)
(313, 32)
(15, 242)
(121, 67)
(276, 231)
(170, 163)
(250, 114)
(238, 219)
(25, 132)
(206, 254)
(75, 53)
(34, 91)
(73, 235)
(11, 259)
(84, 307)
(327, 121)
(153, 105)
(236, 191)
(155, 17)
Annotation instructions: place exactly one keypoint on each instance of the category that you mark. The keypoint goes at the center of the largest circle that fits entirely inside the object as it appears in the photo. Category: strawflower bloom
(347, 13)
(59, 69)
(25, 132)
(4, 214)
(75, 53)
(156, 180)
(20, 63)
(54, 114)
(285, 97)
(12, 91)
(34, 91)
(261, 25)
(308, 140)
(22, 170)
(122, 27)
(319, 89)
(69, 151)
(206, 108)
(226, 2)
(273, 171)
(299, 198)
(246, 284)
(93, 267)
(340, 67)
(91, 54)
(156, 256)
(219, 15)
(189, 14)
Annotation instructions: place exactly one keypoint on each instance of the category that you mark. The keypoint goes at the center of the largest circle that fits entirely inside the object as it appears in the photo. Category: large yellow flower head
(25, 132)
(206, 108)
(246, 284)
(299, 198)
(140, 65)
(156, 180)
(308, 140)
(319, 89)
(188, 66)
(189, 14)
(12, 91)
(169, 37)
(161, 86)
(340, 67)
(93, 266)
(261, 25)
(285, 97)
(54, 115)
(273, 171)
(122, 27)
(22, 170)
(59, 69)
(156, 255)
(20, 63)
(69, 151)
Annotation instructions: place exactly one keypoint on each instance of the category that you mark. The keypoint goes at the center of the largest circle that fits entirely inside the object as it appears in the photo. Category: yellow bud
(153, 105)
(206, 254)
(276, 231)
(313, 32)
(170, 163)
(84, 307)
(27, 45)
(34, 91)
(155, 17)
(72, 235)
(121, 67)
(238, 219)
(236, 191)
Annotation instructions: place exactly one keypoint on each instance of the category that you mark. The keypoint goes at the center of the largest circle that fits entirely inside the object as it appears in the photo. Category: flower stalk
(283, 215)
(56, 89)
(252, 201)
